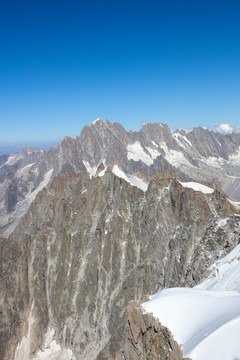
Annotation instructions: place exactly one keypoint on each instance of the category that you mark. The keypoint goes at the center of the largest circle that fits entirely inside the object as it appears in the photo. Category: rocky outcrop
(146, 338)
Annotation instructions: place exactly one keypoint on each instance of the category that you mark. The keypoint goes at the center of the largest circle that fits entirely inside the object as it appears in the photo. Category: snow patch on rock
(174, 157)
(132, 179)
(197, 187)
(181, 140)
(90, 170)
(23, 349)
(53, 351)
(236, 204)
(221, 223)
(136, 152)
(153, 152)
(214, 162)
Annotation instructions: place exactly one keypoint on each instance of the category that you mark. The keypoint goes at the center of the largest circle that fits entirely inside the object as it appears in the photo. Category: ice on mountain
(132, 179)
(136, 152)
(197, 187)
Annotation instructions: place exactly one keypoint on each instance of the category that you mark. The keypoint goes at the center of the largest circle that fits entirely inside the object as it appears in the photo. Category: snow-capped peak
(95, 121)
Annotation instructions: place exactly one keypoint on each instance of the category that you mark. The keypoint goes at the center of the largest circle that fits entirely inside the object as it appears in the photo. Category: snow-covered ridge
(95, 121)
(205, 320)
(131, 179)
(197, 187)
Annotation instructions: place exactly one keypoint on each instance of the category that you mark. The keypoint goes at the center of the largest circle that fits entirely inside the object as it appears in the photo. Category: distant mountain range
(200, 154)
(16, 148)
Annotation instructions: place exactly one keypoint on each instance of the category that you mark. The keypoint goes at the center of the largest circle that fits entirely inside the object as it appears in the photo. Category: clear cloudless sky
(65, 63)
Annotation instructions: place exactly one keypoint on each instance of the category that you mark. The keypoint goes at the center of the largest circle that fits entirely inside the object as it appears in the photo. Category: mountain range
(200, 154)
(103, 220)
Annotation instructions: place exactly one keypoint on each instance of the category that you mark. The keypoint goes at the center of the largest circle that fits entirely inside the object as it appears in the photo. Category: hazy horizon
(8, 148)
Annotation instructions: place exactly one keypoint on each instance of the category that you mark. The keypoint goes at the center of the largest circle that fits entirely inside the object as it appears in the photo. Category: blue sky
(65, 63)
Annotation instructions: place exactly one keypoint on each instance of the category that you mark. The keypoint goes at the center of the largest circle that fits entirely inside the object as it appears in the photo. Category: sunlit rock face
(86, 247)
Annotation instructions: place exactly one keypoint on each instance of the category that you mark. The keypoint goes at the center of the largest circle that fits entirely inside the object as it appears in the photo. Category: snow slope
(136, 152)
(197, 187)
(132, 179)
(22, 206)
(205, 320)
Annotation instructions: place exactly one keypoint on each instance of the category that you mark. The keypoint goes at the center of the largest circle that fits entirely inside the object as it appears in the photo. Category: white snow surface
(214, 162)
(235, 203)
(153, 152)
(225, 275)
(136, 152)
(132, 179)
(204, 320)
(91, 170)
(174, 157)
(25, 168)
(102, 172)
(197, 187)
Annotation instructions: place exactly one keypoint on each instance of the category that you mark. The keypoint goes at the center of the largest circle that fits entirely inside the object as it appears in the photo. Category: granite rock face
(85, 248)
